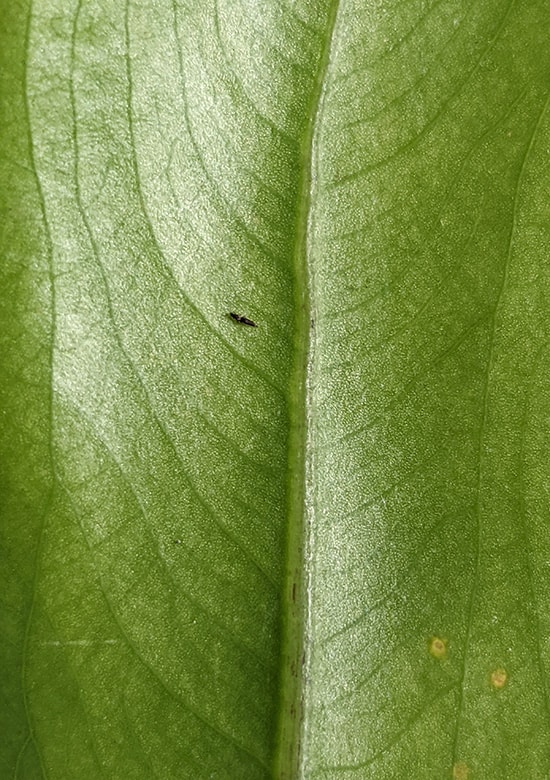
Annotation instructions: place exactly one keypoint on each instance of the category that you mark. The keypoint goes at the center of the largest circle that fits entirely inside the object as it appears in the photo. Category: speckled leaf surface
(316, 548)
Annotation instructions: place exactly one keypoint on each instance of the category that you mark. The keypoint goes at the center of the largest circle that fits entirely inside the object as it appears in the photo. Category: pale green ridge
(294, 656)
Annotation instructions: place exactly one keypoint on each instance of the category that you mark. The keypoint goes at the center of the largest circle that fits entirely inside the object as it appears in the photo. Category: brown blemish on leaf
(460, 771)
(499, 678)
(438, 647)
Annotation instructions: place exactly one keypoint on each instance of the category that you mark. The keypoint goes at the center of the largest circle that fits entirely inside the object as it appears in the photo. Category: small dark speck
(242, 320)
(177, 541)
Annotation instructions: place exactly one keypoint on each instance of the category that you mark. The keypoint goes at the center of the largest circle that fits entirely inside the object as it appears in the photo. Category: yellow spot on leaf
(438, 647)
(460, 771)
(499, 678)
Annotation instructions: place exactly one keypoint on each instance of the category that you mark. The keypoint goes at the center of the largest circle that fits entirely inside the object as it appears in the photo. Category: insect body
(242, 320)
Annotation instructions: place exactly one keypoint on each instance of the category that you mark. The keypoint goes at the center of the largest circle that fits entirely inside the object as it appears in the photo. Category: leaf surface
(318, 547)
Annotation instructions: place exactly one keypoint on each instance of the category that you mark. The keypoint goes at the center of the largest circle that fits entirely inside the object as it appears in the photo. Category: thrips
(242, 320)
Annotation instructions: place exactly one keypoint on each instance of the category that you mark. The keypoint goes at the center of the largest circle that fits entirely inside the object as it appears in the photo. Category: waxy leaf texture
(317, 548)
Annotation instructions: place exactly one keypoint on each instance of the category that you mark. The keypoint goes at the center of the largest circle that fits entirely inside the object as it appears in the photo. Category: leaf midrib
(296, 608)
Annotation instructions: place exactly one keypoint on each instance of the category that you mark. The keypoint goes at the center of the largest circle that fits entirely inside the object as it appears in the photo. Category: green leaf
(314, 548)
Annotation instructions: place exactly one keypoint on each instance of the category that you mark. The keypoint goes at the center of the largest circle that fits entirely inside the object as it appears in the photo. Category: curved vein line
(484, 416)
(407, 195)
(176, 697)
(137, 741)
(391, 592)
(80, 695)
(225, 532)
(48, 501)
(453, 183)
(410, 383)
(401, 97)
(265, 465)
(272, 47)
(392, 337)
(153, 539)
(526, 537)
(223, 203)
(396, 738)
(492, 128)
(28, 741)
(243, 92)
(162, 261)
(289, 9)
(118, 338)
(412, 142)
(392, 49)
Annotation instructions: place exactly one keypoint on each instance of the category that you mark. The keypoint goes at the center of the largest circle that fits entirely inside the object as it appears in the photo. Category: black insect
(242, 320)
